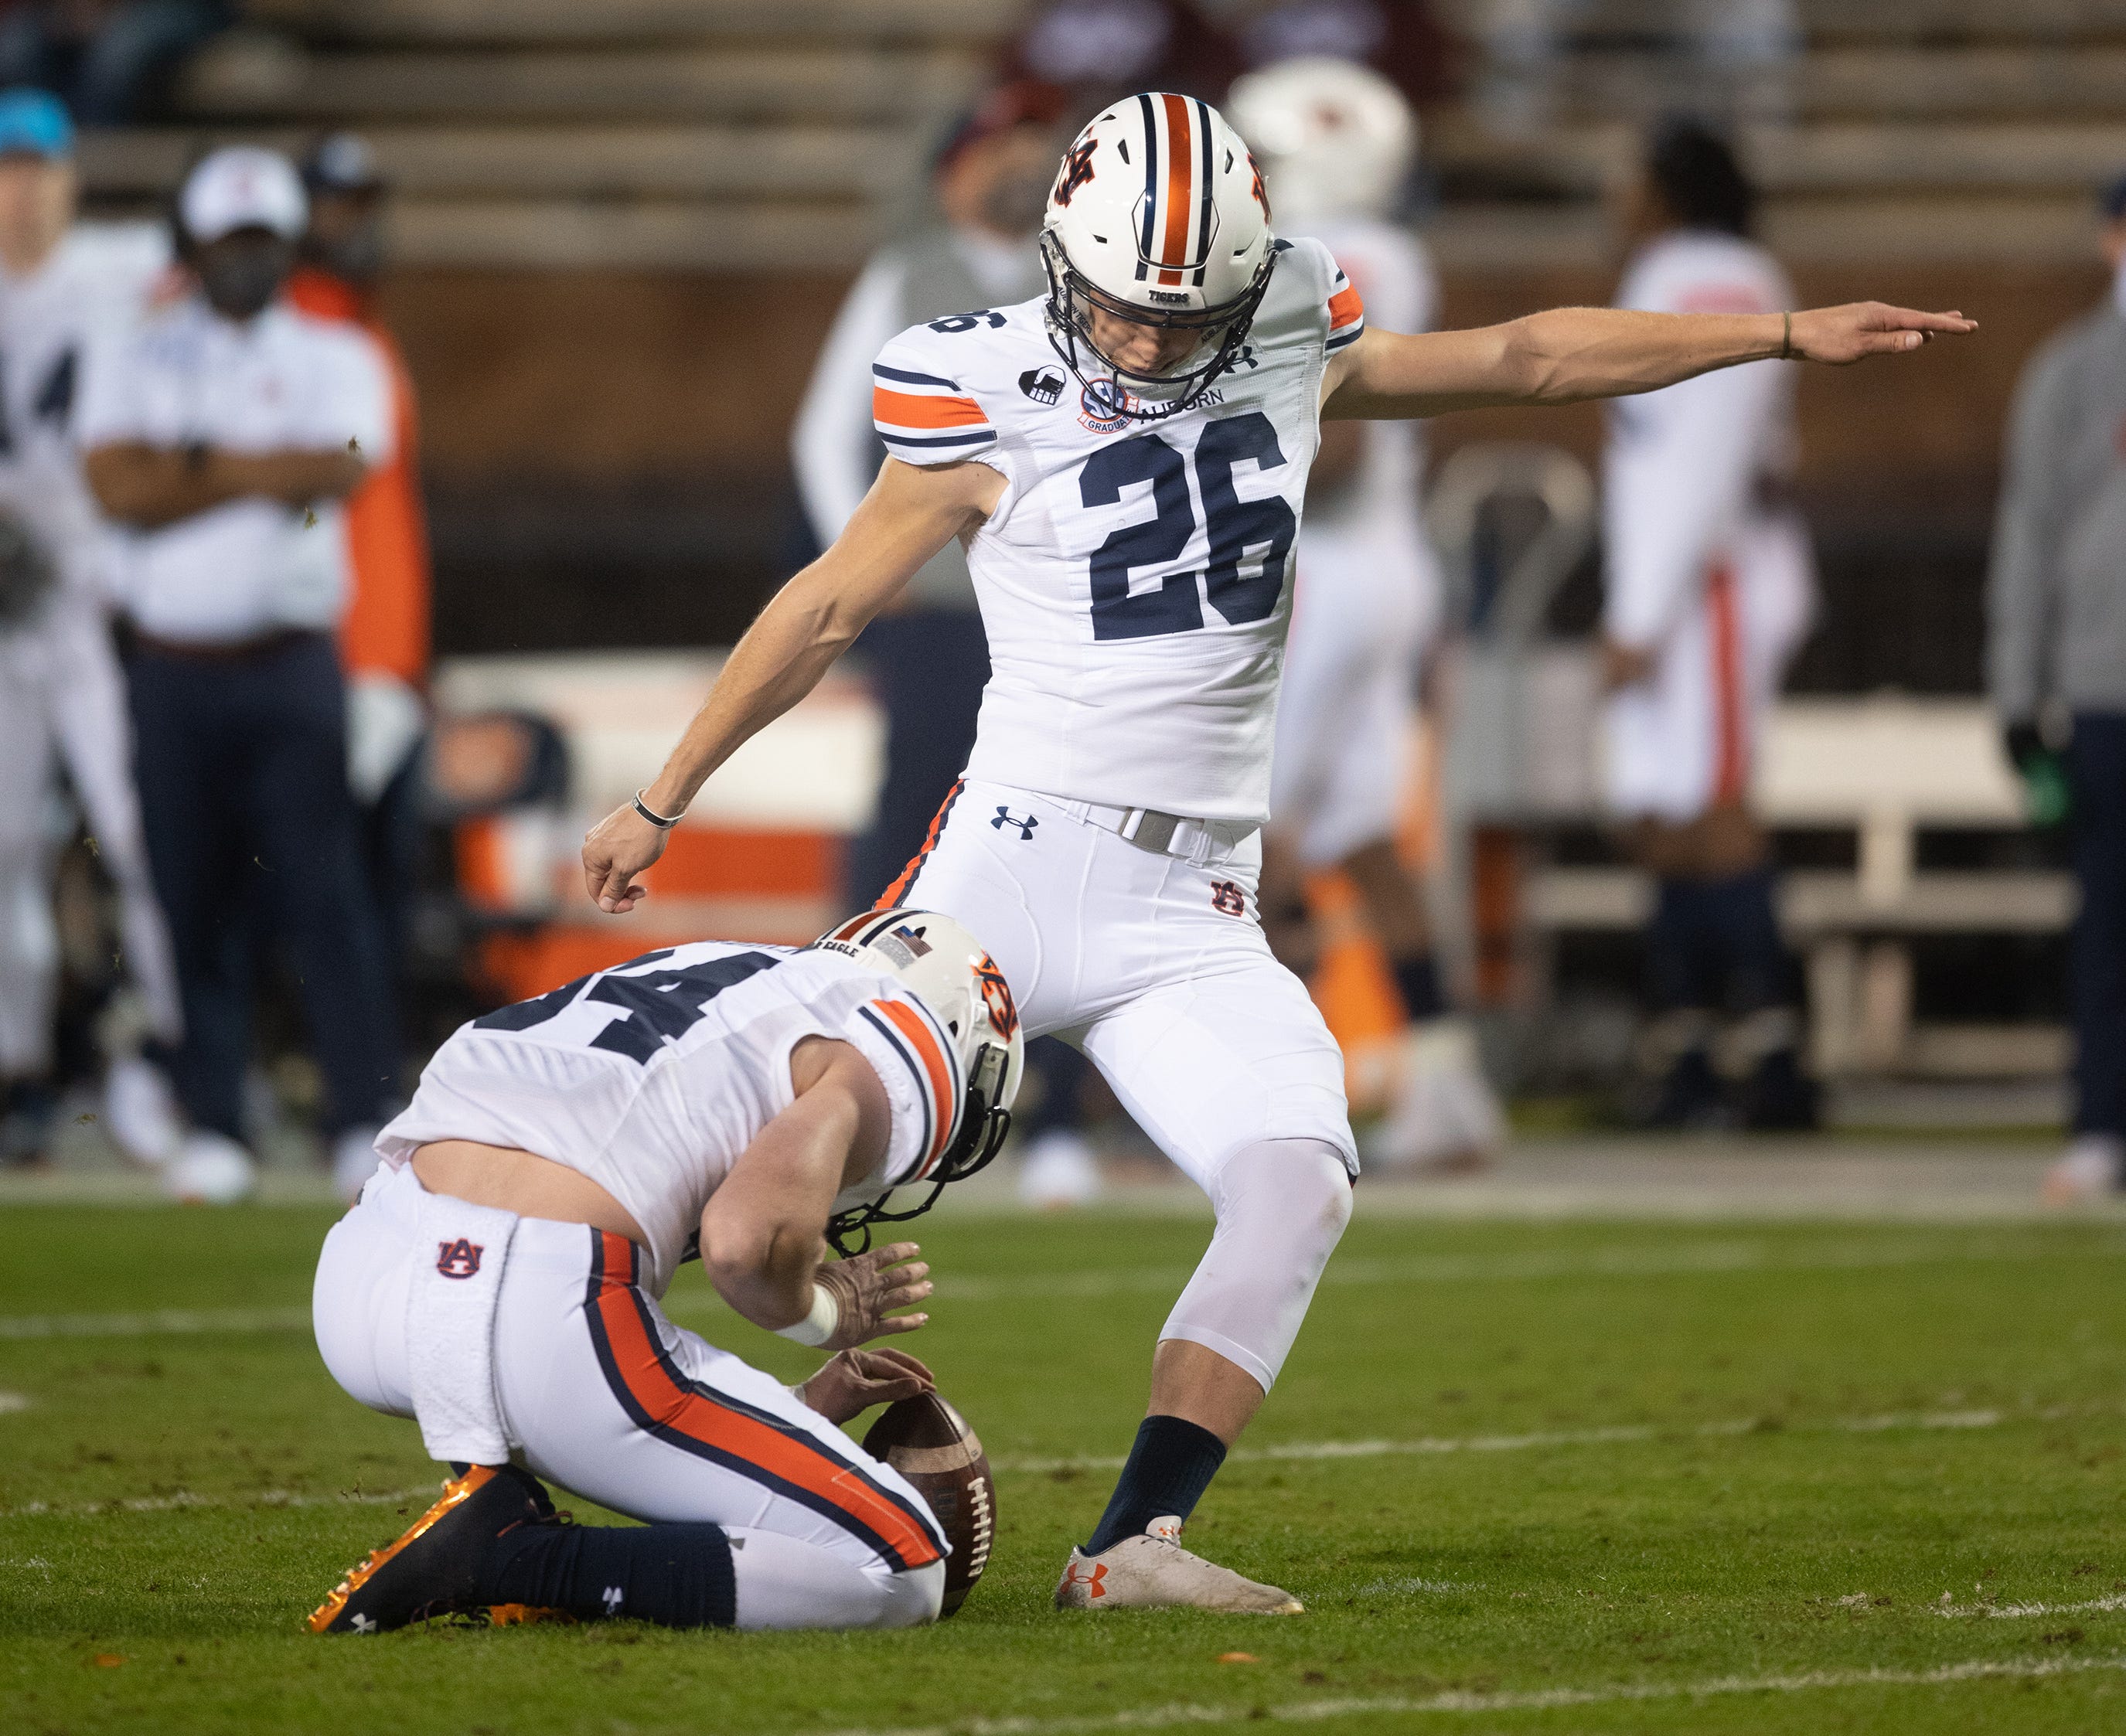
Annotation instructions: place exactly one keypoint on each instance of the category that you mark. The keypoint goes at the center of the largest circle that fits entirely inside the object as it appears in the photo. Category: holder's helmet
(1158, 217)
(945, 967)
(1335, 139)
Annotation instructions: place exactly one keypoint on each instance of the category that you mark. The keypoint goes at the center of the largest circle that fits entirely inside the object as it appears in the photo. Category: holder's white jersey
(653, 1077)
(94, 286)
(1133, 578)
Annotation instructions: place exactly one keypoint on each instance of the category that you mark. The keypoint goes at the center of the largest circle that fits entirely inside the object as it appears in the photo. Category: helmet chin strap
(984, 1127)
(1067, 330)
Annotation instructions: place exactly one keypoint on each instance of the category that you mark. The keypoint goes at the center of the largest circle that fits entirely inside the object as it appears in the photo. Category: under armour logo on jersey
(1005, 817)
(1227, 899)
(1043, 386)
(613, 1599)
(458, 1259)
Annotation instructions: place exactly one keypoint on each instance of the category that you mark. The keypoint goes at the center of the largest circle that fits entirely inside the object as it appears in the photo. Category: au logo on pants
(458, 1259)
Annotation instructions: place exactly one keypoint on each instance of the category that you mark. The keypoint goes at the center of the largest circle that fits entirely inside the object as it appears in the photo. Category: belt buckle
(1150, 830)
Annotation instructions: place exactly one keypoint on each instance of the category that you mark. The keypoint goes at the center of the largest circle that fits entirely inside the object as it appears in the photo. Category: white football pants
(1362, 611)
(1155, 966)
(609, 1398)
(62, 700)
(1688, 737)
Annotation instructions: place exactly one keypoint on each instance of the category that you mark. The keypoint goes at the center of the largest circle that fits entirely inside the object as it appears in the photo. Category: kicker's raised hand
(1851, 333)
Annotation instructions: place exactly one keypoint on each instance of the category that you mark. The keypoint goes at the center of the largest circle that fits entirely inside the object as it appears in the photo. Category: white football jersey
(93, 286)
(653, 1077)
(1692, 472)
(1133, 578)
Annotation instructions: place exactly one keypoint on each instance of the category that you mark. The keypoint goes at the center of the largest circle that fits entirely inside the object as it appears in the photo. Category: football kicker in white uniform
(499, 1279)
(1125, 464)
(64, 289)
(1335, 141)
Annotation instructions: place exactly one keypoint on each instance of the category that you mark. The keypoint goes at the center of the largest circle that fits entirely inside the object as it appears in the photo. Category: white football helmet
(945, 967)
(1334, 138)
(1158, 217)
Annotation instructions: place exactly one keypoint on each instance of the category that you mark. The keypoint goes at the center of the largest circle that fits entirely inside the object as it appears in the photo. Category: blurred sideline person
(2056, 664)
(1335, 141)
(1130, 545)
(927, 658)
(1711, 586)
(62, 695)
(566, 1155)
(384, 636)
(222, 433)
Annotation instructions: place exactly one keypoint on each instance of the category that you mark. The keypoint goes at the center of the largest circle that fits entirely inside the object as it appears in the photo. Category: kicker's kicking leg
(1281, 1206)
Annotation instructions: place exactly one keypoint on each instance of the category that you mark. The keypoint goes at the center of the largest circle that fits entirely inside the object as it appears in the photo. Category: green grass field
(1547, 1477)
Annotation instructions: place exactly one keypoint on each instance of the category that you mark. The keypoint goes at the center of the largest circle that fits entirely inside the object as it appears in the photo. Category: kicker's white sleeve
(832, 443)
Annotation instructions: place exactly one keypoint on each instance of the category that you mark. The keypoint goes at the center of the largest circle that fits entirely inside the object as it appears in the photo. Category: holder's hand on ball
(856, 1380)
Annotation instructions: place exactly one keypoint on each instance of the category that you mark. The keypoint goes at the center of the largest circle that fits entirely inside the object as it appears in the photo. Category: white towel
(449, 1329)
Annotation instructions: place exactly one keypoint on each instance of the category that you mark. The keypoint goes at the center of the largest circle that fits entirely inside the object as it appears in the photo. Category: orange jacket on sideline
(386, 624)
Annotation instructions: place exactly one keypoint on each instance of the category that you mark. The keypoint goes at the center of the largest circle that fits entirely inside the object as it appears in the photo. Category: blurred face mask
(242, 273)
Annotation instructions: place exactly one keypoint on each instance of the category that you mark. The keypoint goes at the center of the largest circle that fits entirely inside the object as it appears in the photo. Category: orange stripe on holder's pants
(699, 1417)
(1180, 187)
(1731, 761)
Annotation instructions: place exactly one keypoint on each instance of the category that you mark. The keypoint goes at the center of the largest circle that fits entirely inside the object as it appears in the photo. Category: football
(930, 1443)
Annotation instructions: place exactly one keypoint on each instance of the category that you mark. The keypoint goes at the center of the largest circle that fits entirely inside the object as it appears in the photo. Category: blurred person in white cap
(384, 636)
(222, 433)
(1336, 142)
(62, 287)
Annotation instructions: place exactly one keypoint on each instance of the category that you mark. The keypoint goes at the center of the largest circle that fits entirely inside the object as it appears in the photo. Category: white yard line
(1922, 1421)
(160, 1323)
(183, 1499)
(1322, 1711)
(2002, 1612)
(1288, 1450)
(12, 1402)
(1622, 1260)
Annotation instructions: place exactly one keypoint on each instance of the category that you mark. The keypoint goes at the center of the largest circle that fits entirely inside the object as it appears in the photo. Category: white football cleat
(210, 1170)
(354, 1162)
(1059, 1169)
(2092, 1169)
(1445, 1116)
(1153, 1572)
(140, 1111)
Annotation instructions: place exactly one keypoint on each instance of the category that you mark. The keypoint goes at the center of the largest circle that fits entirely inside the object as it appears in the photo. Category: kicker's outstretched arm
(910, 514)
(1567, 355)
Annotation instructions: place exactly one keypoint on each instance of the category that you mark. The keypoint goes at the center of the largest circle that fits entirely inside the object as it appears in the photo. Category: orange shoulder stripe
(923, 1041)
(1345, 306)
(910, 410)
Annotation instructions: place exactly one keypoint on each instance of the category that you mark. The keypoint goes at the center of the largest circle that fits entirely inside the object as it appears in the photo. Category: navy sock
(678, 1576)
(1171, 1463)
(1417, 979)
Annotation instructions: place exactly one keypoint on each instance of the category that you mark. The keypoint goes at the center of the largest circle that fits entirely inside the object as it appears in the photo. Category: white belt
(1204, 842)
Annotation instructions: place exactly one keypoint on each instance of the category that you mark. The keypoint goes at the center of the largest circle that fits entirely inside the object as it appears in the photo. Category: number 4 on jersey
(1235, 526)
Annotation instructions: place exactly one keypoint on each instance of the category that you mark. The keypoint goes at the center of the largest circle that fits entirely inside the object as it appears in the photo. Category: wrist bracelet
(1786, 337)
(656, 820)
(820, 1325)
